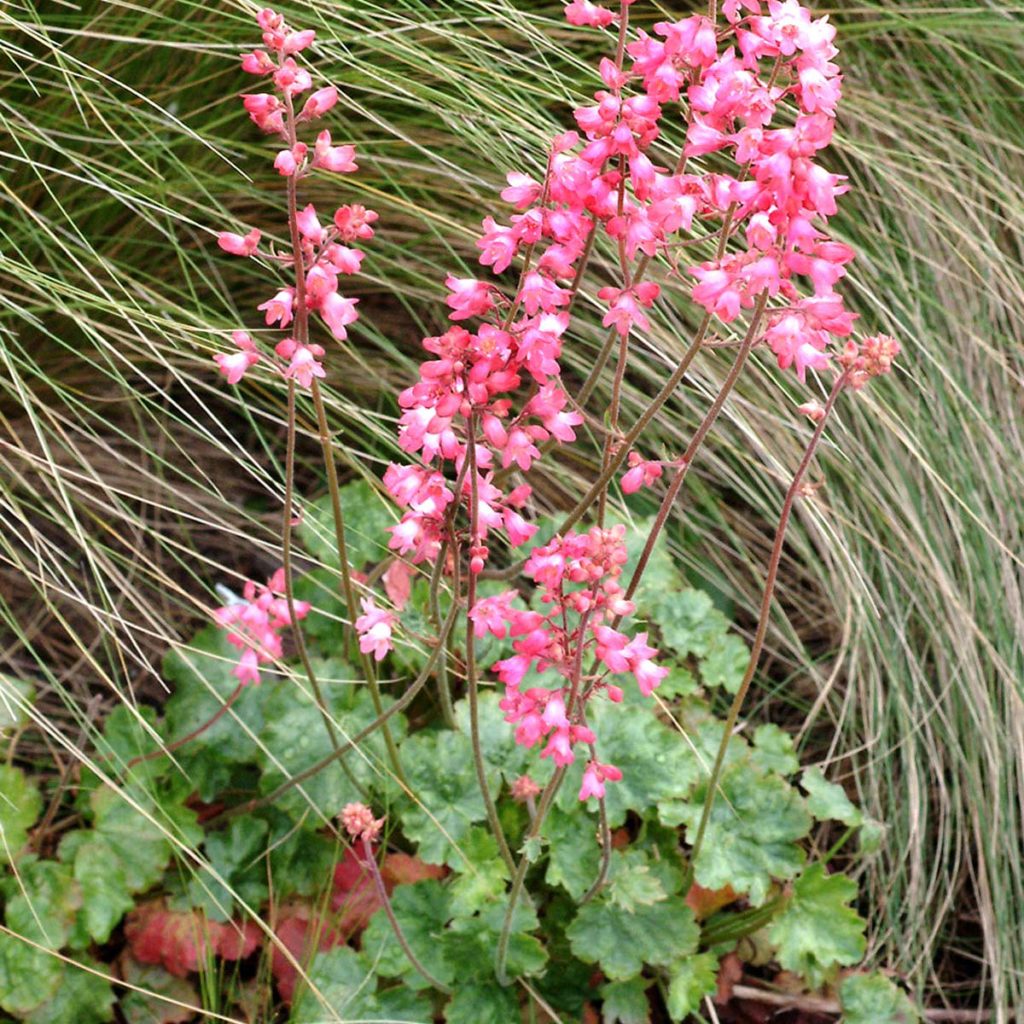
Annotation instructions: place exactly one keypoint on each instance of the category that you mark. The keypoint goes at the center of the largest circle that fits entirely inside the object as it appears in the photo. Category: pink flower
(292, 79)
(338, 313)
(235, 364)
(584, 12)
(258, 63)
(319, 103)
(353, 221)
(279, 308)
(641, 474)
(290, 160)
(374, 628)
(468, 298)
(360, 823)
(595, 775)
(254, 625)
(309, 225)
(239, 245)
(339, 159)
(522, 190)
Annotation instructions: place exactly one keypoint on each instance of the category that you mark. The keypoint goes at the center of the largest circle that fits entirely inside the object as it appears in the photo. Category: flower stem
(289, 577)
(519, 877)
(472, 682)
(348, 591)
(371, 863)
(762, 625)
(169, 748)
(694, 447)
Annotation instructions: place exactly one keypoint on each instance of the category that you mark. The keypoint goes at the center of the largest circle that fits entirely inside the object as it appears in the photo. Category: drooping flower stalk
(872, 358)
(318, 256)
(361, 825)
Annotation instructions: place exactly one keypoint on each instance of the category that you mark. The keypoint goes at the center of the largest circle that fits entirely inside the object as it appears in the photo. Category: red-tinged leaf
(704, 902)
(182, 942)
(355, 896)
(404, 869)
(234, 941)
(398, 584)
(303, 934)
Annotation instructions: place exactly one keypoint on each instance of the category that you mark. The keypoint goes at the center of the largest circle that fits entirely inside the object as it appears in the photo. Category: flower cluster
(254, 625)
(320, 254)
(491, 394)
(577, 577)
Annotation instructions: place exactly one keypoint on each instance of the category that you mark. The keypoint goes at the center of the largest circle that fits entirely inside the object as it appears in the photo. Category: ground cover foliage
(132, 478)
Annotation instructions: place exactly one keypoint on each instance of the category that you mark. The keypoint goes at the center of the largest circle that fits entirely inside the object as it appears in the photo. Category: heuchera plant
(666, 850)
(491, 399)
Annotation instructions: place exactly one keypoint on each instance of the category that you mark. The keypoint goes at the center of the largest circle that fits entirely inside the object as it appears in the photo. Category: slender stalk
(606, 853)
(694, 446)
(348, 591)
(400, 705)
(519, 878)
(762, 623)
(302, 337)
(371, 862)
(472, 682)
(169, 748)
(613, 420)
(289, 576)
(302, 332)
(443, 687)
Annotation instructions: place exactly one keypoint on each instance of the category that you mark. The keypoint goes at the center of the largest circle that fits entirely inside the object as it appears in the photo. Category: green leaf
(20, 806)
(661, 575)
(235, 855)
(124, 853)
(690, 981)
(482, 1004)
(42, 902)
(752, 833)
(301, 860)
(574, 850)
(473, 941)
(622, 942)
(203, 683)
(367, 518)
(827, 801)
(344, 983)
(725, 662)
(625, 1002)
(106, 894)
(28, 976)
(481, 881)
(631, 883)
(423, 910)
(138, 1007)
(82, 997)
(656, 762)
(817, 930)
(439, 767)
(295, 738)
(403, 1004)
(125, 736)
(773, 750)
(689, 622)
(874, 999)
